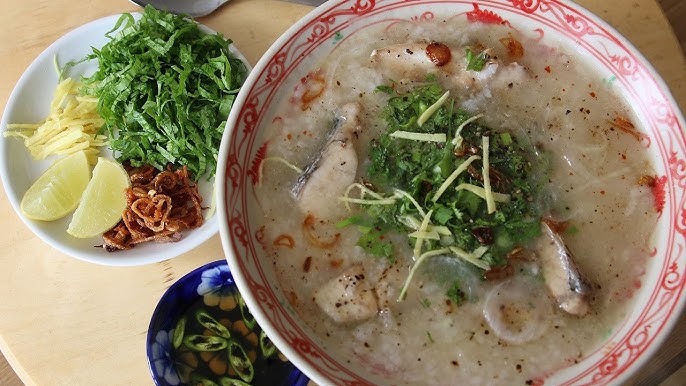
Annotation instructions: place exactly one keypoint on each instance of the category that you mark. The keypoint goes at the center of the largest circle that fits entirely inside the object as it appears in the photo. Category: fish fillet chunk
(348, 297)
(414, 61)
(333, 169)
(562, 277)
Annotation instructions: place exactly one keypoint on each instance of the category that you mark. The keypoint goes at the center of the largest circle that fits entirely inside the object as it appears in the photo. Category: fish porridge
(464, 315)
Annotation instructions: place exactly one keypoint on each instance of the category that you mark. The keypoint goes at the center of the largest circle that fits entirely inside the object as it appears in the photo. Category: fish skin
(563, 279)
(332, 169)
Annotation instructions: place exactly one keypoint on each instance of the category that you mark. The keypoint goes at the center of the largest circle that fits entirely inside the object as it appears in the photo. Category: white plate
(29, 103)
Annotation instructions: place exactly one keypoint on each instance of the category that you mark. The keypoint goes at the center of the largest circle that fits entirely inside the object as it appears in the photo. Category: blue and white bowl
(213, 285)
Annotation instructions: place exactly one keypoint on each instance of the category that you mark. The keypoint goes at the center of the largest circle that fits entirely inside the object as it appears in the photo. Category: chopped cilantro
(373, 243)
(442, 214)
(384, 89)
(506, 139)
(421, 167)
(459, 220)
(372, 239)
(455, 293)
(476, 62)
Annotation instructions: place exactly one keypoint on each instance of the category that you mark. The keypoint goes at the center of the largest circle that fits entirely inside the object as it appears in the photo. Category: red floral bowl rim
(659, 300)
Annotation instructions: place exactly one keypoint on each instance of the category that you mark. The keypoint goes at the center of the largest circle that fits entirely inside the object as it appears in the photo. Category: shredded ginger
(72, 125)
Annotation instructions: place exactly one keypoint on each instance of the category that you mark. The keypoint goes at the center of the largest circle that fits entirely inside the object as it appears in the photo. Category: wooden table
(67, 322)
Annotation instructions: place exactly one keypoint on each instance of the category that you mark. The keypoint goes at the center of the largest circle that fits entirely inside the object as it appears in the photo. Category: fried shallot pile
(160, 205)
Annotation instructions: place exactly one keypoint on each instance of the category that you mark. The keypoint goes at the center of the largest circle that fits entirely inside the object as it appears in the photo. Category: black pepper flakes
(307, 264)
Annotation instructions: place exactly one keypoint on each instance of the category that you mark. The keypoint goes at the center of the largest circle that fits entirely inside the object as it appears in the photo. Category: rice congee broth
(468, 314)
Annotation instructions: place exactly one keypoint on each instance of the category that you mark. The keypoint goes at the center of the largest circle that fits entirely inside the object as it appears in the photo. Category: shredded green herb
(165, 88)
(384, 88)
(476, 61)
(455, 293)
(446, 206)
(372, 237)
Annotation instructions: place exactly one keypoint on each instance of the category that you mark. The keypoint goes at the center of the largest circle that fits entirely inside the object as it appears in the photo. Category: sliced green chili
(245, 313)
(266, 346)
(240, 362)
(211, 324)
(177, 338)
(205, 343)
(224, 381)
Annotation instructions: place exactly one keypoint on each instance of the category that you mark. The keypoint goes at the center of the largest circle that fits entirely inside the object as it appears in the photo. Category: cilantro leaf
(455, 293)
(476, 61)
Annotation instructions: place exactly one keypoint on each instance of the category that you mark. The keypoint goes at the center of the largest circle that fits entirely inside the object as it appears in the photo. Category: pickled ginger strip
(448, 181)
(432, 109)
(260, 171)
(414, 223)
(474, 257)
(427, 235)
(420, 260)
(420, 240)
(481, 192)
(377, 199)
(457, 141)
(71, 125)
(490, 201)
(423, 137)
(402, 193)
(362, 201)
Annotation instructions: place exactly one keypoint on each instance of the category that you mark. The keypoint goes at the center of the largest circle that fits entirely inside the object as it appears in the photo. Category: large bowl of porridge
(456, 192)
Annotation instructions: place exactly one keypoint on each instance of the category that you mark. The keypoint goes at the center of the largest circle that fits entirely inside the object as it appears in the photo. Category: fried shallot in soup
(455, 208)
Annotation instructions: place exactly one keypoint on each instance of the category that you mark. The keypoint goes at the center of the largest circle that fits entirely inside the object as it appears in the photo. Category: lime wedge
(103, 201)
(58, 190)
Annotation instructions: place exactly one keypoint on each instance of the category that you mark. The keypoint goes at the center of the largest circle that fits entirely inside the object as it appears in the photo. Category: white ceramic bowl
(658, 301)
(29, 103)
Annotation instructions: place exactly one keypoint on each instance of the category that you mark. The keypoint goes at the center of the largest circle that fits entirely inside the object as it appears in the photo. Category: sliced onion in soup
(516, 310)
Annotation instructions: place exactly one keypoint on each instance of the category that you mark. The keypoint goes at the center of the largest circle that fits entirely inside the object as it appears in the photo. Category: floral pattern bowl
(658, 298)
(209, 288)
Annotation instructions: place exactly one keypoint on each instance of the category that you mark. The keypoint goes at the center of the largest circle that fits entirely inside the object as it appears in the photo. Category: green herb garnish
(164, 89)
(455, 293)
(476, 62)
(384, 88)
(436, 191)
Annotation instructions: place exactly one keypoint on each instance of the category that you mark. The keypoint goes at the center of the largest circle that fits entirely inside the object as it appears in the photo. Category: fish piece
(333, 169)
(562, 277)
(413, 61)
(388, 285)
(349, 297)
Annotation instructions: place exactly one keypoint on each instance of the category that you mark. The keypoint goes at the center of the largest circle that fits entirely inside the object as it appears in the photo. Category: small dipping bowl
(201, 332)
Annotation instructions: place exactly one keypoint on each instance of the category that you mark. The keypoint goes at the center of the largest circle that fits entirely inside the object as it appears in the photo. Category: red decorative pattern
(528, 6)
(425, 17)
(664, 133)
(658, 190)
(254, 171)
(486, 17)
(238, 229)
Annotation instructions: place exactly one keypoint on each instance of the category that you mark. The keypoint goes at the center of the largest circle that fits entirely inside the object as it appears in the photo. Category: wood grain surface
(66, 322)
